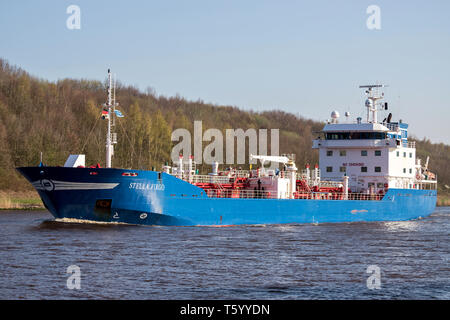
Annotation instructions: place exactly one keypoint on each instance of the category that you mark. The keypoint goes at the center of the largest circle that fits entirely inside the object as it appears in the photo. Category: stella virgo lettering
(257, 144)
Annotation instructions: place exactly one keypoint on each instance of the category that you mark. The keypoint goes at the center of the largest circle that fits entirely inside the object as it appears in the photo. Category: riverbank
(443, 200)
(20, 200)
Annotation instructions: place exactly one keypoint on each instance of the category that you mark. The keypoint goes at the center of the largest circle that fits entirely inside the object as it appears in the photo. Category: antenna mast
(109, 142)
(372, 97)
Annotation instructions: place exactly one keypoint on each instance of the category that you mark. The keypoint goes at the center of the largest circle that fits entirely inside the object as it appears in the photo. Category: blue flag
(118, 113)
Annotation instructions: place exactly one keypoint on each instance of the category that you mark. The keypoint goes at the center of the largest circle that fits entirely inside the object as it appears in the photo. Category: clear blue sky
(305, 57)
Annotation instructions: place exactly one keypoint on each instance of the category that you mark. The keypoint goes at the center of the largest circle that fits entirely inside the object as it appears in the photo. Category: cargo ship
(367, 171)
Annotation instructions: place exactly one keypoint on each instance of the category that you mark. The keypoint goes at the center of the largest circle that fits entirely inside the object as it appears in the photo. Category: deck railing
(260, 194)
(206, 179)
(411, 144)
(391, 126)
(426, 185)
(244, 194)
(406, 183)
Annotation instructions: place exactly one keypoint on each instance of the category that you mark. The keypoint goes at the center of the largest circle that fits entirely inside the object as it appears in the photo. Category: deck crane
(290, 168)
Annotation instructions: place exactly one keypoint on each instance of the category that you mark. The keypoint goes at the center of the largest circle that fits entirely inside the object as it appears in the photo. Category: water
(325, 261)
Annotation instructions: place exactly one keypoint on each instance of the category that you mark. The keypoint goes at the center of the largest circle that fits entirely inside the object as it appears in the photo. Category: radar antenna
(372, 100)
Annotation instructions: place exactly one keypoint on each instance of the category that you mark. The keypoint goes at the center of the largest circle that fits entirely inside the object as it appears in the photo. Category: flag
(104, 114)
(118, 113)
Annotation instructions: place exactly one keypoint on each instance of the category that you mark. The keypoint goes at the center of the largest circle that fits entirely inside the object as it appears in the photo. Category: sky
(303, 57)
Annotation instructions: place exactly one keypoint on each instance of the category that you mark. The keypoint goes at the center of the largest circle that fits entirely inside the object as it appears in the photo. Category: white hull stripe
(37, 185)
(66, 185)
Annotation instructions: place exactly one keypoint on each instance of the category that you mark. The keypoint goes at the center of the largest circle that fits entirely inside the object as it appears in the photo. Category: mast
(113, 123)
(372, 99)
(109, 145)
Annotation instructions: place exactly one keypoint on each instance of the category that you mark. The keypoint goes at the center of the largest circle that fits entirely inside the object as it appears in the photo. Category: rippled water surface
(325, 261)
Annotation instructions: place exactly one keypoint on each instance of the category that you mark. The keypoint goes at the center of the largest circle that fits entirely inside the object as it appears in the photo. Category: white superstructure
(374, 155)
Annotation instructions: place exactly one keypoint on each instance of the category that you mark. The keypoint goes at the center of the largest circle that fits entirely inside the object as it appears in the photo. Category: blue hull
(152, 198)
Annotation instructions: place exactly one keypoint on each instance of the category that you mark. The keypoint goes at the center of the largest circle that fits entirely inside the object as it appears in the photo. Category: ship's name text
(147, 186)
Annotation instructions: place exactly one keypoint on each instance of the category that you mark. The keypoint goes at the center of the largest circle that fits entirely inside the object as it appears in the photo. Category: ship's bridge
(355, 127)
(354, 135)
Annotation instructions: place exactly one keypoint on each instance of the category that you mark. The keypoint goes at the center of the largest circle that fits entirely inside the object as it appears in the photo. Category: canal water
(376, 260)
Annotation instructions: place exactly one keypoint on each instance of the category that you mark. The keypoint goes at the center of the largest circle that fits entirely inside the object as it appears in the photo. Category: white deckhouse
(374, 155)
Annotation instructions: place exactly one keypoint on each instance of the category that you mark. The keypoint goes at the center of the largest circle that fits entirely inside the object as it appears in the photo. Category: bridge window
(329, 169)
(364, 153)
(355, 135)
(342, 169)
(377, 153)
(342, 153)
(377, 169)
(363, 169)
(329, 153)
(404, 170)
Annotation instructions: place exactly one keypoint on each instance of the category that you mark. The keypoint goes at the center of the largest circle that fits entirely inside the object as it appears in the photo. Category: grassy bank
(26, 200)
(443, 199)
